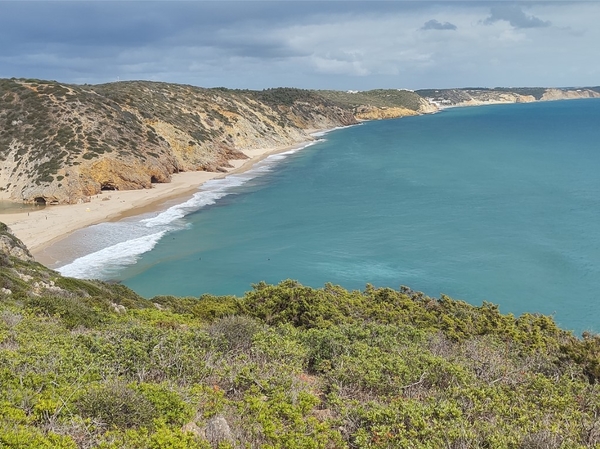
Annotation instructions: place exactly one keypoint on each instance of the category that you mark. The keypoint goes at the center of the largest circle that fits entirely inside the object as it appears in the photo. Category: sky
(343, 45)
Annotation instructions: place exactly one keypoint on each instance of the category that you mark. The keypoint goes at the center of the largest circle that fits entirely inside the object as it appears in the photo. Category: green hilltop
(89, 364)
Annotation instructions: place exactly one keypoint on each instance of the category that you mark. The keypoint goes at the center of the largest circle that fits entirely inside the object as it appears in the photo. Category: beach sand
(40, 229)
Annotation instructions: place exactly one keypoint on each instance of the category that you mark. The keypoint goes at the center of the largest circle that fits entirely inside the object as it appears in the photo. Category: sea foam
(106, 261)
(109, 247)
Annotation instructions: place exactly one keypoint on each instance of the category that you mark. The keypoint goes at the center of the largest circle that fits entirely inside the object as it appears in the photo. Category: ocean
(491, 203)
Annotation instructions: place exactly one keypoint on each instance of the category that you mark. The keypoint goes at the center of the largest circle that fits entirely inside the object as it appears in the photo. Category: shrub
(117, 405)
(168, 403)
(585, 353)
(22, 437)
(72, 310)
(163, 438)
(235, 333)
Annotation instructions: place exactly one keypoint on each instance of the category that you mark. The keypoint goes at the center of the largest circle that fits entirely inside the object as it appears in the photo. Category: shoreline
(41, 229)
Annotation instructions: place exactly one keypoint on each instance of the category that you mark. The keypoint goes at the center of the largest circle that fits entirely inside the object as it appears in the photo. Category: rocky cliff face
(62, 143)
(12, 246)
(474, 97)
(569, 94)
(381, 103)
(370, 112)
(374, 113)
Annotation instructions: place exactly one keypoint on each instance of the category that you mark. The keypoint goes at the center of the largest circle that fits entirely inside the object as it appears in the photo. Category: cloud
(516, 17)
(338, 45)
(435, 25)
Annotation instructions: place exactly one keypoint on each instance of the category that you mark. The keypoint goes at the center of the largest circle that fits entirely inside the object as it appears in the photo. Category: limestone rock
(128, 135)
(569, 94)
(374, 113)
(426, 107)
(118, 308)
(12, 246)
(217, 431)
(192, 427)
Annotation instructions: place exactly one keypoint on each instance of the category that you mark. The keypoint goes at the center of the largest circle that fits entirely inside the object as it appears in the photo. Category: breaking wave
(109, 247)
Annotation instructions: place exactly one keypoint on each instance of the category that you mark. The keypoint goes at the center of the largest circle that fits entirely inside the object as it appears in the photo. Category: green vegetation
(431, 93)
(49, 129)
(286, 96)
(535, 92)
(88, 364)
(379, 98)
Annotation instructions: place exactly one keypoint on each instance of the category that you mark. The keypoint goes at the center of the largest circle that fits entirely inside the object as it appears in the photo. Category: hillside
(380, 103)
(61, 143)
(481, 96)
(87, 364)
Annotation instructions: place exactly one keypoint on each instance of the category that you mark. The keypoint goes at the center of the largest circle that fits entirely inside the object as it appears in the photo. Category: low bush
(116, 405)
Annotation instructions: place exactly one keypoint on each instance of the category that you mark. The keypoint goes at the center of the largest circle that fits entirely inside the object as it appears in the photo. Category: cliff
(442, 98)
(380, 103)
(62, 143)
(569, 94)
(11, 246)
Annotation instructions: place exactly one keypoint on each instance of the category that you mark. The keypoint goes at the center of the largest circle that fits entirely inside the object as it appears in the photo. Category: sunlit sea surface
(496, 203)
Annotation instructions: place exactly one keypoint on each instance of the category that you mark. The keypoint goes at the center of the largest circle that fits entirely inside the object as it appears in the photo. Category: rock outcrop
(12, 246)
(475, 97)
(217, 431)
(569, 94)
(62, 143)
(373, 113)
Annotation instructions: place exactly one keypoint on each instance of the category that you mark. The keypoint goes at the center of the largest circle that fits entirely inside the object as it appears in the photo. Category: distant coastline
(451, 98)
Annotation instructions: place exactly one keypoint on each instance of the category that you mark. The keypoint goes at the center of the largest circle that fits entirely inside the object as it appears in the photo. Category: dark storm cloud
(89, 29)
(515, 16)
(46, 38)
(435, 25)
(311, 44)
(134, 23)
(77, 23)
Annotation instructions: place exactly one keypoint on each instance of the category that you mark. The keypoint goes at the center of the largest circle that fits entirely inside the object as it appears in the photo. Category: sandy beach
(39, 229)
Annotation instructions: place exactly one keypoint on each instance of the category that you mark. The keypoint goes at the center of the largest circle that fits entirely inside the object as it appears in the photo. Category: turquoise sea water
(495, 203)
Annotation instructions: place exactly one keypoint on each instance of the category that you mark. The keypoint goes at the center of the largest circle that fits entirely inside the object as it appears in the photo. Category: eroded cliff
(481, 96)
(62, 143)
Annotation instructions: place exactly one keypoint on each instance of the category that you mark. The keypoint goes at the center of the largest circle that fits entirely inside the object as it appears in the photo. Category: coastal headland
(98, 153)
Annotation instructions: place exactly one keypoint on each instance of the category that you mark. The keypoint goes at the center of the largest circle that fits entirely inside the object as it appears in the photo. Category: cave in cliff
(108, 186)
